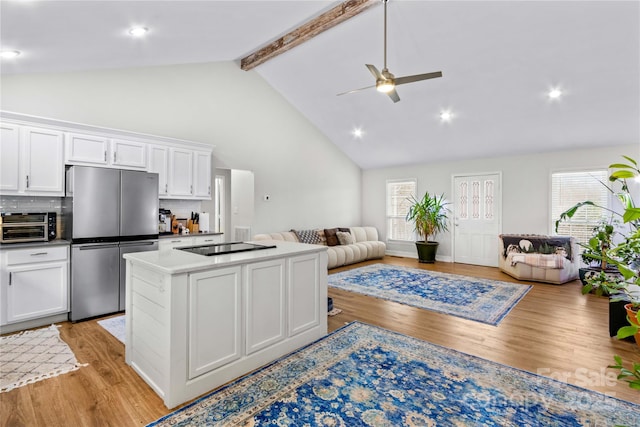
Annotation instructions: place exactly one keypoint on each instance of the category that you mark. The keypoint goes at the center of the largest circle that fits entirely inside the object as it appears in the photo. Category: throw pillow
(330, 235)
(308, 236)
(344, 238)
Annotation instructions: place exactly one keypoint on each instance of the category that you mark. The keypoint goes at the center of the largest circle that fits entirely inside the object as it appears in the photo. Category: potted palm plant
(430, 217)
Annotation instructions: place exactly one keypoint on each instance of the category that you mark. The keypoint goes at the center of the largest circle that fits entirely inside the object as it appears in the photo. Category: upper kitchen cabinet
(31, 159)
(86, 149)
(159, 163)
(181, 172)
(202, 175)
(35, 150)
(95, 150)
(128, 154)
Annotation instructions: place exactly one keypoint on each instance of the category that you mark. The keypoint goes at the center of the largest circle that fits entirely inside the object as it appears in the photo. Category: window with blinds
(398, 194)
(569, 188)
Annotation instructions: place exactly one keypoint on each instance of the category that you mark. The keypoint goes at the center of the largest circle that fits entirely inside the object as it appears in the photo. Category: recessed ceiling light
(357, 133)
(9, 54)
(446, 116)
(554, 93)
(138, 31)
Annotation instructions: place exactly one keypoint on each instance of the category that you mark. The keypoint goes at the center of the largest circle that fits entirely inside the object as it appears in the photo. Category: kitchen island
(196, 322)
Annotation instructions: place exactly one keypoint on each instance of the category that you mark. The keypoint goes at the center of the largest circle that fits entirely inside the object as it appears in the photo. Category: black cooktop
(225, 248)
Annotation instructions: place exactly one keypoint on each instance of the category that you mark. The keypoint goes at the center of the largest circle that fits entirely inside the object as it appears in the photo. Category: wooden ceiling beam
(336, 15)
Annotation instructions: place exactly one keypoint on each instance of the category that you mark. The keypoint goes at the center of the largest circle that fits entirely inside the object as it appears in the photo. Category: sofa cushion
(344, 238)
(330, 235)
(308, 236)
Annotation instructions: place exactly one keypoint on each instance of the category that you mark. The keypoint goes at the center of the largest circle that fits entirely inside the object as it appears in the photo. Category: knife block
(193, 228)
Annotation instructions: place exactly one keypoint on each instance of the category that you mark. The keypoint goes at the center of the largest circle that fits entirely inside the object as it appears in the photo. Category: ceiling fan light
(385, 86)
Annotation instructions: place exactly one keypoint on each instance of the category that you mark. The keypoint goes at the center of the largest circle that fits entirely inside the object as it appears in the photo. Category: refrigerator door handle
(86, 247)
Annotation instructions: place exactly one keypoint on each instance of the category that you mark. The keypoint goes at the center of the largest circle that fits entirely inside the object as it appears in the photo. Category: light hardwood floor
(554, 331)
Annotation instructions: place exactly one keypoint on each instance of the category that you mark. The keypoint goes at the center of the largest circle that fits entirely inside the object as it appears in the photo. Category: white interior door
(477, 218)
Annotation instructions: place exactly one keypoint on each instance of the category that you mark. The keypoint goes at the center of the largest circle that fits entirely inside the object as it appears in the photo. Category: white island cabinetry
(196, 322)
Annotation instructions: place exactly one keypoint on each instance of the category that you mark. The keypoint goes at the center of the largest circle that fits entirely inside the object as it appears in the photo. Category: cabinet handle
(191, 189)
(39, 253)
(105, 156)
(209, 190)
(114, 156)
(27, 181)
(166, 188)
(10, 277)
(176, 241)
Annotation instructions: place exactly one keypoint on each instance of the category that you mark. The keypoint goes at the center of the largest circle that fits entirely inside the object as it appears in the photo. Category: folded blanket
(537, 260)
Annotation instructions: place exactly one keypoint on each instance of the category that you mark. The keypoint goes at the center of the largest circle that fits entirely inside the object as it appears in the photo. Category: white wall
(310, 181)
(525, 187)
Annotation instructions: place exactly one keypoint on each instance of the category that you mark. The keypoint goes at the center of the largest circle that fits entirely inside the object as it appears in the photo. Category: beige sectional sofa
(539, 258)
(365, 244)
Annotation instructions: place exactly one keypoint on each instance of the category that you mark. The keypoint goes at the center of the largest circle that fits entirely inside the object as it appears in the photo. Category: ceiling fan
(387, 82)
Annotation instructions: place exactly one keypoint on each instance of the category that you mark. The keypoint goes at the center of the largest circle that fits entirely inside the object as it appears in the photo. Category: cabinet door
(159, 163)
(36, 290)
(86, 149)
(44, 164)
(9, 157)
(180, 172)
(265, 304)
(128, 154)
(304, 293)
(214, 335)
(202, 176)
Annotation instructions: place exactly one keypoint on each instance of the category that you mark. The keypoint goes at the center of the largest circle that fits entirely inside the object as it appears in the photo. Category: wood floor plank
(554, 331)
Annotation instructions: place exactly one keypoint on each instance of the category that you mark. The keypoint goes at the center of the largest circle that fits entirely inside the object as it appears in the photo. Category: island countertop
(176, 261)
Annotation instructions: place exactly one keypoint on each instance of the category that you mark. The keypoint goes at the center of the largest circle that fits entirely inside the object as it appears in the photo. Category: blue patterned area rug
(362, 375)
(482, 300)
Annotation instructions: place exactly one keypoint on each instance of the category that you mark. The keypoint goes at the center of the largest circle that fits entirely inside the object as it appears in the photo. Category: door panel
(96, 201)
(139, 204)
(95, 275)
(477, 219)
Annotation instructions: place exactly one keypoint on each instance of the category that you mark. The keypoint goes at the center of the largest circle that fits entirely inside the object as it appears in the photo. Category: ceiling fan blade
(417, 78)
(394, 96)
(355, 90)
(374, 71)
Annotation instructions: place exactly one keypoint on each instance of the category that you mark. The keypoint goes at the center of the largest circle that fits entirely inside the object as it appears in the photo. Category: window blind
(569, 188)
(398, 203)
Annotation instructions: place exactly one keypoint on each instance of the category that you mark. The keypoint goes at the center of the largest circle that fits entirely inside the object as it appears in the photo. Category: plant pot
(427, 251)
(633, 318)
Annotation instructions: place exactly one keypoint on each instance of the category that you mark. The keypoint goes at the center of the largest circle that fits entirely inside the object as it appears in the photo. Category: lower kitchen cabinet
(35, 283)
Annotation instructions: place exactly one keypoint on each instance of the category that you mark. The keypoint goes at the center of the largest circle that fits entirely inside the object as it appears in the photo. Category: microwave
(27, 227)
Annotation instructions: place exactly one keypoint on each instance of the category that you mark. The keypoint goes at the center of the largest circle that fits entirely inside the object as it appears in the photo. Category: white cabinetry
(181, 241)
(180, 172)
(32, 161)
(96, 150)
(159, 163)
(86, 149)
(35, 283)
(236, 310)
(303, 291)
(264, 290)
(128, 154)
(9, 157)
(215, 336)
(202, 175)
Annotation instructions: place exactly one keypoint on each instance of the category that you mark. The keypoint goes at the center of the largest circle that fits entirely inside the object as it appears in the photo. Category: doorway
(477, 218)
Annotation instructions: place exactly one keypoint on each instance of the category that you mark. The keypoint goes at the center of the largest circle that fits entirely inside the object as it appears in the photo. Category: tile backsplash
(30, 204)
(181, 208)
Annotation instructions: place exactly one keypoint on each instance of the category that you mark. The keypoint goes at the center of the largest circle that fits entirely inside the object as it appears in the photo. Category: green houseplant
(625, 256)
(430, 217)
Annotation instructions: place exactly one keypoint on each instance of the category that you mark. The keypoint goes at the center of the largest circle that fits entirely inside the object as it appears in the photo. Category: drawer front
(208, 240)
(177, 242)
(37, 255)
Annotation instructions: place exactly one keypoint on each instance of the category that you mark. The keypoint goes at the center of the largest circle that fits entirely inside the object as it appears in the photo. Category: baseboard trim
(415, 255)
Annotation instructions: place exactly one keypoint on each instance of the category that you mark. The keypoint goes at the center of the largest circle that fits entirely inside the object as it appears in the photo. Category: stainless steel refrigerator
(107, 213)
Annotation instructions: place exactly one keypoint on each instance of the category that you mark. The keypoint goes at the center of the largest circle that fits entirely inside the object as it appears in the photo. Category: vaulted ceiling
(498, 58)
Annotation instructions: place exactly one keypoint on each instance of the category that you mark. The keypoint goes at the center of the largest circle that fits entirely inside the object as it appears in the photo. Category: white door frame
(453, 193)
